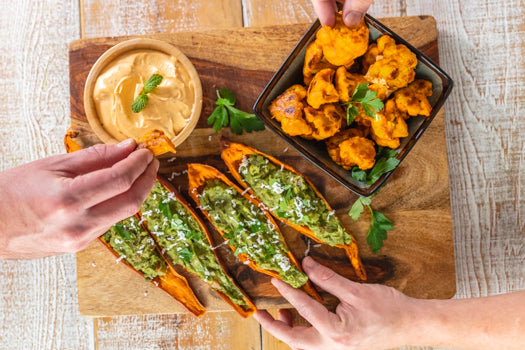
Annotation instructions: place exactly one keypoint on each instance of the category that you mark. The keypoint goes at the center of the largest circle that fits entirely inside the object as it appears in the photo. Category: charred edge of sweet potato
(157, 142)
(172, 283)
(233, 153)
(250, 308)
(198, 174)
(70, 144)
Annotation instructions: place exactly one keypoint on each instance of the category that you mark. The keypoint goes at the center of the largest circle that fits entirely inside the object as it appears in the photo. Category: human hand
(353, 11)
(368, 317)
(61, 203)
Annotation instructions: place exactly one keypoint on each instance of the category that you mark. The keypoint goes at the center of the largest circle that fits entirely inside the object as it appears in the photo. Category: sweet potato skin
(198, 175)
(233, 153)
(244, 312)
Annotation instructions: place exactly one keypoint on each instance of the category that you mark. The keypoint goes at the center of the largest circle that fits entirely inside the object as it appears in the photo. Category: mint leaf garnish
(152, 83)
(142, 99)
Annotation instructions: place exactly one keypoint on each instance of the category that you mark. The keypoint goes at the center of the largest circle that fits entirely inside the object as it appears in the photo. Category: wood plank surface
(115, 17)
(102, 288)
(479, 43)
(38, 303)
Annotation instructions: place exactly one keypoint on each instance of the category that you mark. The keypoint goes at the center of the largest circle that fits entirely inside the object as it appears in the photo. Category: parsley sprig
(225, 114)
(379, 223)
(367, 99)
(142, 99)
(385, 161)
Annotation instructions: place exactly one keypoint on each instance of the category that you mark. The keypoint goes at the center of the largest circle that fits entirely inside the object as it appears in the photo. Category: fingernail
(353, 18)
(275, 281)
(150, 157)
(308, 262)
(126, 143)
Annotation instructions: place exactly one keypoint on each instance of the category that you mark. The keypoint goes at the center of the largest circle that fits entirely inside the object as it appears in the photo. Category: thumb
(97, 157)
(354, 11)
(327, 279)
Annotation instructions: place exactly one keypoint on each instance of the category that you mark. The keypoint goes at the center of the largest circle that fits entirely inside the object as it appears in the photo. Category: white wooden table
(481, 45)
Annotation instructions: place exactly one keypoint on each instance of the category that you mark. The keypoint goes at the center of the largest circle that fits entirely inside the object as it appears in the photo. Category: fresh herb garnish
(225, 114)
(379, 223)
(185, 254)
(122, 231)
(385, 161)
(142, 99)
(164, 208)
(367, 99)
(270, 251)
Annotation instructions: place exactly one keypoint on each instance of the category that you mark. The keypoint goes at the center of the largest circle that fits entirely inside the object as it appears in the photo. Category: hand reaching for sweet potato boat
(353, 11)
(61, 203)
(373, 316)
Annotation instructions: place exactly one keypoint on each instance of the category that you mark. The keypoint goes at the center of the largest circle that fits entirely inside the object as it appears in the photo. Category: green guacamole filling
(181, 238)
(249, 231)
(134, 245)
(290, 197)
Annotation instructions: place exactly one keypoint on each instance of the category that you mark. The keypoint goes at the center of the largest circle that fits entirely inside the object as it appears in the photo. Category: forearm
(496, 322)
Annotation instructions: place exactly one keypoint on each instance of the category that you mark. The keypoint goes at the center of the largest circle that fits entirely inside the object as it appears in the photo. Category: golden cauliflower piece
(349, 148)
(299, 119)
(314, 61)
(340, 44)
(389, 125)
(325, 121)
(346, 82)
(394, 65)
(287, 109)
(370, 57)
(413, 99)
(321, 89)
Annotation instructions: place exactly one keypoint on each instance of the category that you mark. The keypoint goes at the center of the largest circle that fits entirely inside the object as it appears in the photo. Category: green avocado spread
(290, 197)
(135, 246)
(249, 231)
(182, 239)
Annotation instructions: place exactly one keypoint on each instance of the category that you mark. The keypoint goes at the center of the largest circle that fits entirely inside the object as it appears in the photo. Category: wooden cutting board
(418, 256)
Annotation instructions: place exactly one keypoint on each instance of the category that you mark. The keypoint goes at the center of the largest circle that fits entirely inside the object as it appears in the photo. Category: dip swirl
(170, 104)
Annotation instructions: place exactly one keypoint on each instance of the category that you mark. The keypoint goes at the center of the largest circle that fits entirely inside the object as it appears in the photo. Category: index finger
(96, 157)
(325, 10)
(100, 185)
(311, 310)
(327, 279)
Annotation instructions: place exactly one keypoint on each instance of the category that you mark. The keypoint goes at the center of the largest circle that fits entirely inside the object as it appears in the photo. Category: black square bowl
(290, 73)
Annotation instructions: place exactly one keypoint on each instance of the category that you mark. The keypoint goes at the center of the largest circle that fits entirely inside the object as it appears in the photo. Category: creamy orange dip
(170, 104)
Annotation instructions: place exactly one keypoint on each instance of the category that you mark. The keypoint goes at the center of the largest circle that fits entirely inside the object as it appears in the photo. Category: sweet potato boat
(184, 240)
(268, 254)
(162, 275)
(237, 155)
(133, 246)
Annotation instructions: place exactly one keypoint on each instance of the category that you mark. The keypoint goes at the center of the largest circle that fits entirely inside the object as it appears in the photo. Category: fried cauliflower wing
(394, 65)
(299, 119)
(314, 61)
(321, 89)
(345, 83)
(370, 57)
(413, 99)
(325, 121)
(288, 108)
(289, 104)
(389, 125)
(350, 147)
(340, 44)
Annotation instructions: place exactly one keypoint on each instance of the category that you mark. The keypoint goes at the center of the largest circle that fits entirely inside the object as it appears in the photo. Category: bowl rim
(128, 46)
(258, 108)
